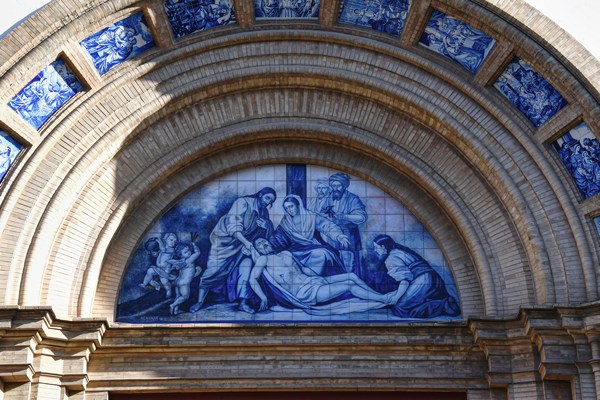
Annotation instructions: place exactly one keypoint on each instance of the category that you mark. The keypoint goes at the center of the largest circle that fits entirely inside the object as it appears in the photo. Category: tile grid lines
(390, 217)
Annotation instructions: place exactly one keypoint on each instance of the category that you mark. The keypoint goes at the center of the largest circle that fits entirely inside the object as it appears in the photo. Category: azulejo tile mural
(287, 8)
(46, 93)
(579, 150)
(597, 222)
(189, 16)
(277, 243)
(9, 150)
(455, 39)
(119, 42)
(386, 16)
(530, 92)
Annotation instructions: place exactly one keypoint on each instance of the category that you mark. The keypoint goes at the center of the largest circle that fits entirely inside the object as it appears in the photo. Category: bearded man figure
(315, 204)
(346, 210)
(231, 240)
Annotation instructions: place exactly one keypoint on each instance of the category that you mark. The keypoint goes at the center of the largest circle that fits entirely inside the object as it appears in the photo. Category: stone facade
(543, 353)
(518, 234)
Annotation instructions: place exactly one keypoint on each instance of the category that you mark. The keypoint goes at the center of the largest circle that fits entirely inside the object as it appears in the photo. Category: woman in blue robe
(424, 290)
(296, 233)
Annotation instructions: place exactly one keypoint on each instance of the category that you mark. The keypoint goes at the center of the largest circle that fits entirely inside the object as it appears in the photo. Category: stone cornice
(489, 352)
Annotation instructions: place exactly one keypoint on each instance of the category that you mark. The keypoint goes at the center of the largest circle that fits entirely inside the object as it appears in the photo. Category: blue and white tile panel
(189, 16)
(387, 16)
(287, 8)
(455, 39)
(530, 92)
(597, 222)
(579, 150)
(190, 247)
(46, 93)
(119, 42)
(9, 150)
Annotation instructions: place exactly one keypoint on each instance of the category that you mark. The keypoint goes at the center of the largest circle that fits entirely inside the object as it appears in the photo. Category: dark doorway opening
(296, 396)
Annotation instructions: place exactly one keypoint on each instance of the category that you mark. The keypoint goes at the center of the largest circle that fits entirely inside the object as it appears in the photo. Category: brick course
(480, 176)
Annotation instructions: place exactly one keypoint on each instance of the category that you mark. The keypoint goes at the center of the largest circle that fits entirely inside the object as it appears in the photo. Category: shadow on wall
(170, 274)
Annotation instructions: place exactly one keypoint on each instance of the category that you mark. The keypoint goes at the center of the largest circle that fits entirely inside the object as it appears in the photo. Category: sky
(578, 17)
(575, 16)
(13, 11)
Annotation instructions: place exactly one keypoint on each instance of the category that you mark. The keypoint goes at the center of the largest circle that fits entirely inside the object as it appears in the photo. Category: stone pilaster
(44, 358)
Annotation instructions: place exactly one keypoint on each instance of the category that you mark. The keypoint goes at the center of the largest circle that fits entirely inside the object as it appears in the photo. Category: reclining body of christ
(306, 290)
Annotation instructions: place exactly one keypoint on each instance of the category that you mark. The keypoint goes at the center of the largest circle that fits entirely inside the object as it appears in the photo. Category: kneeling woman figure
(423, 291)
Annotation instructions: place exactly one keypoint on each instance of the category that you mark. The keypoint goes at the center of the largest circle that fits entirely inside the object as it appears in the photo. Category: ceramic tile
(46, 93)
(189, 16)
(579, 150)
(309, 266)
(386, 16)
(457, 40)
(530, 92)
(286, 8)
(118, 42)
(9, 150)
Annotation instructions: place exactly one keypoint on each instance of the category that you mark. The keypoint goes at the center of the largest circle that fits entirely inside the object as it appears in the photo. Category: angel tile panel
(287, 243)
(119, 42)
(530, 92)
(579, 150)
(386, 16)
(286, 8)
(189, 16)
(46, 93)
(9, 150)
(455, 39)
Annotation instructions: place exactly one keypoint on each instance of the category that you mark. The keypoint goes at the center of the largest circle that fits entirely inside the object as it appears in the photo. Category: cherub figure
(162, 268)
(187, 254)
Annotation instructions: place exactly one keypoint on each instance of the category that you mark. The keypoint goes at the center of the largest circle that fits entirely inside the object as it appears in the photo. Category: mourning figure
(422, 291)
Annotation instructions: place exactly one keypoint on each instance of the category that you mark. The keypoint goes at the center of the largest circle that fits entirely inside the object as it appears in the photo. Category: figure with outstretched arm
(229, 259)
(162, 268)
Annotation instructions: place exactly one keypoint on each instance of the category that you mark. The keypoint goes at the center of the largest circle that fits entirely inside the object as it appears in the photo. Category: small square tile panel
(286, 8)
(457, 40)
(46, 93)
(9, 150)
(387, 16)
(530, 92)
(579, 151)
(118, 42)
(190, 16)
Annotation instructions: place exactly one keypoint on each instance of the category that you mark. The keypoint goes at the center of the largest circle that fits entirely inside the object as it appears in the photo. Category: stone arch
(477, 172)
(462, 135)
